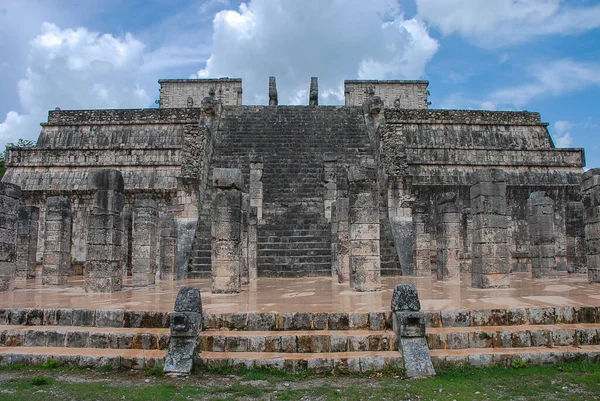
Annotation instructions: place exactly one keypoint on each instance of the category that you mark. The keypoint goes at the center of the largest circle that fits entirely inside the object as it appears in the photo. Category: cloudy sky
(537, 55)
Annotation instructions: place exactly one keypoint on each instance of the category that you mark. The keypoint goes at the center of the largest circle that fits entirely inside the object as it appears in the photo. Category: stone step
(83, 337)
(318, 362)
(82, 357)
(520, 336)
(295, 252)
(294, 271)
(485, 357)
(292, 260)
(302, 341)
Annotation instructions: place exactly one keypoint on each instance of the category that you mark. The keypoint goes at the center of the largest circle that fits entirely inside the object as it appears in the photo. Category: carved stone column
(145, 237)
(421, 239)
(226, 230)
(168, 254)
(57, 243)
(542, 236)
(10, 194)
(365, 261)
(27, 239)
(448, 220)
(491, 264)
(590, 193)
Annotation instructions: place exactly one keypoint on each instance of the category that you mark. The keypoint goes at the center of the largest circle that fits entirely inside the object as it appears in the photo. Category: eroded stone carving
(540, 216)
(448, 221)
(27, 240)
(313, 96)
(57, 244)
(145, 235)
(590, 194)
(272, 92)
(168, 255)
(10, 195)
(186, 325)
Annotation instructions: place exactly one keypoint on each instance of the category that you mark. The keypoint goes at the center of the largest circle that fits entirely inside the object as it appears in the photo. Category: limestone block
(27, 239)
(168, 254)
(145, 237)
(57, 245)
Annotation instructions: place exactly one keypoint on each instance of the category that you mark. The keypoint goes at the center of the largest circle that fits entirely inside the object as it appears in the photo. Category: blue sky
(537, 55)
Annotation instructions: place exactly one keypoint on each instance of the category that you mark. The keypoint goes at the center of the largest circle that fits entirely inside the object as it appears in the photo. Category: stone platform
(311, 323)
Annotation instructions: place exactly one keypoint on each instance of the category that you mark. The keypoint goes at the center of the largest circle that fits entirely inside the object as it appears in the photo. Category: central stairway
(293, 142)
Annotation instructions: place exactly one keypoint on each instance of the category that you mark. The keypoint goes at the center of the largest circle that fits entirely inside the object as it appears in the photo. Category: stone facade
(180, 93)
(294, 160)
(57, 241)
(27, 241)
(9, 210)
(590, 191)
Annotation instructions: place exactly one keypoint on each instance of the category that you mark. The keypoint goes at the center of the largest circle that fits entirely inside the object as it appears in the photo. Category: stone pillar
(10, 194)
(168, 254)
(330, 186)
(186, 325)
(272, 92)
(256, 186)
(365, 262)
(491, 264)
(343, 239)
(226, 230)
(575, 238)
(104, 262)
(542, 236)
(57, 244)
(448, 220)
(145, 216)
(126, 242)
(467, 239)
(252, 244)
(334, 243)
(590, 195)
(421, 239)
(27, 239)
(409, 326)
(244, 267)
(313, 96)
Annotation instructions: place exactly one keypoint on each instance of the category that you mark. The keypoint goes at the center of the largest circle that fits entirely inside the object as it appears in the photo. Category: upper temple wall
(177, 93)
(395, 94)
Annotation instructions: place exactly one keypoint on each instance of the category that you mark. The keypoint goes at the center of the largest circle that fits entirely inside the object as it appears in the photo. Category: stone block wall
(176, 93)
(57, 241)
(395, 94)
(27, 241)
(9, 209)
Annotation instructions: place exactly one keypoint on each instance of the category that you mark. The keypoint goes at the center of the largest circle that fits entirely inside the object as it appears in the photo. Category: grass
(575, 381)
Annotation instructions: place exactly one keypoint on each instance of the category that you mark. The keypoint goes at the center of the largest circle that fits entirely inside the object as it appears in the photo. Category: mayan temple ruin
(295, 223)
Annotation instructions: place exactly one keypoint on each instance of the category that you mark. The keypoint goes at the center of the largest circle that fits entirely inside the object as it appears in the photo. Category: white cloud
(553, 78)
(494, 23)
(334, 40)
(75, 68)
(562, 134)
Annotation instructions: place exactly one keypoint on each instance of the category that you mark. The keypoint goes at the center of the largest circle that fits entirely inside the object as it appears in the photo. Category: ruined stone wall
(438, 151)
(177, 93)
(395, 94)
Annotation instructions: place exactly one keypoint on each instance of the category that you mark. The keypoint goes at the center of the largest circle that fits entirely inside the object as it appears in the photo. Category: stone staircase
(320, 342)
(294, 238)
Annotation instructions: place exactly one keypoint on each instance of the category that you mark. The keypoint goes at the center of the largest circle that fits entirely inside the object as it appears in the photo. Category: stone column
(272, 92)
(313, 95)
(126, 242)
(226, 230)
(590, 194)
(330, 186)
(10, 194)
(365, 262)
(491, 264)
(334, 243)
(245, 215)
(542, 236)
(575, 238)
(27, 239)
(343, 239)
(421, 239)
(57, 244)
(467, 239)
(252, 244)
(256, 186)
(104, 262)
(168, 254)
(145, 216)
(448, 220)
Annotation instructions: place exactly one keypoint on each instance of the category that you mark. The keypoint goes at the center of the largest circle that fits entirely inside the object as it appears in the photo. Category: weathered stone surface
(540, 216)
(27, 239)
(10, 195)
(590, 193)
(168, 253)
(186, 323)
(145, 236)
(272, 92)
(313, 94)
(448, 221)
(405, 298)
(57, 244)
